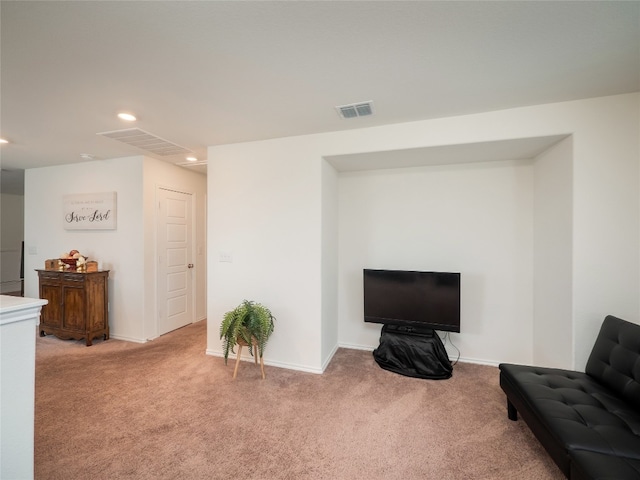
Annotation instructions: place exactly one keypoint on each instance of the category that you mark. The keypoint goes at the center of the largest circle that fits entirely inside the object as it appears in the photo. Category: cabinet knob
(190, 265)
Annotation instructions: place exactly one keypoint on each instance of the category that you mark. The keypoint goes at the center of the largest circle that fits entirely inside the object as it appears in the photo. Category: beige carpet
(165, 410)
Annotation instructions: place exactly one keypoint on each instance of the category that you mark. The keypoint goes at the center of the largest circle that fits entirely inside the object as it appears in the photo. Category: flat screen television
(422, 300)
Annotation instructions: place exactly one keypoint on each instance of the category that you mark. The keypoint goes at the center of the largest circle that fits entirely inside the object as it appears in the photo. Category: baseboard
(490, 363)
(126, 339)
(290, 366)
(326, 363)
(352, 346)
(477, 361)
(303, 368)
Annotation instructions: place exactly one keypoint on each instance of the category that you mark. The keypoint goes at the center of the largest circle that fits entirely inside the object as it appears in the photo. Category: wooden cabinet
(78, 304)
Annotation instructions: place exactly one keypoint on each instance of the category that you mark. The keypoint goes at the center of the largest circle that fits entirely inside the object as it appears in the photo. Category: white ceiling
(215, 72)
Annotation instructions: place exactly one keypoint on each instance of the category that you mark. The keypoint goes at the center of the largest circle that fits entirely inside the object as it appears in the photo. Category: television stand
(403, 330)
(413, 352)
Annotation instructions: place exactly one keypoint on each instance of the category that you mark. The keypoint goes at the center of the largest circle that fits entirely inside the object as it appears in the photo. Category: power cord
(447, 338)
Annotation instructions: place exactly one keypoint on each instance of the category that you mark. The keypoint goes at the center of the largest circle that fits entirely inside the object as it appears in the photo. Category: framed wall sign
(90, 211)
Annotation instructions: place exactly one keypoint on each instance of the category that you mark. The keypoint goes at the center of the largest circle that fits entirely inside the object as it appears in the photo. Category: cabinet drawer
(49, 275)
(73, 277)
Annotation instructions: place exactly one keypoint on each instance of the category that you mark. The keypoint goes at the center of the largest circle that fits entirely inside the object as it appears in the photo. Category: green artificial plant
(248, 320)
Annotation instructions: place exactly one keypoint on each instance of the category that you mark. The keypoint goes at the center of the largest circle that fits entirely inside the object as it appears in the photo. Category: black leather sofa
(589, 423)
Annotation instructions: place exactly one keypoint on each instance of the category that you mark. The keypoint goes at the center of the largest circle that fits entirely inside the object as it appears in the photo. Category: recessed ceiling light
(127, 116)
(2, 140)
(86, 156)
(192, 159)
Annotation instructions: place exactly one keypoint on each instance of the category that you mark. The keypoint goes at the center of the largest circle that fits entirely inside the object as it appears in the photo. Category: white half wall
(265, 206)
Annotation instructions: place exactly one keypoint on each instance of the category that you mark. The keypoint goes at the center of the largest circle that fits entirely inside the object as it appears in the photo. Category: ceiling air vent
(354, 110)
(146, 141)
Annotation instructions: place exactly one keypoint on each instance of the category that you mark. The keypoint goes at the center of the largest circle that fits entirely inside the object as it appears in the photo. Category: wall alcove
(499, 212)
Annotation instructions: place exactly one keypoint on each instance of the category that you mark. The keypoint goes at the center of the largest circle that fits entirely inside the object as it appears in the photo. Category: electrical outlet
(226, 257)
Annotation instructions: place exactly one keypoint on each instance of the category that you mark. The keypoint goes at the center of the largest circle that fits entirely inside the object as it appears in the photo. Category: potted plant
(248, 321)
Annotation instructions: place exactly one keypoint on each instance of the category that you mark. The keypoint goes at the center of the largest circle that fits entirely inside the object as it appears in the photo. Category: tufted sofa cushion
(615, 358)
(588, 422)
(598, 466)
(579, 412)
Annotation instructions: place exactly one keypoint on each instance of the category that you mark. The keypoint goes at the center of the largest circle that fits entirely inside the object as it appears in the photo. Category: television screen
(424, 300)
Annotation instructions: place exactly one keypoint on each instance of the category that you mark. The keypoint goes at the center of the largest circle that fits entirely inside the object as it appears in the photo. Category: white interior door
(175, 260)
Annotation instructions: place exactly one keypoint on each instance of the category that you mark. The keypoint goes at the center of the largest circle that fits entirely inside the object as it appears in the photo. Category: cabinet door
(74, 307)
(96, 288)
(51, 314)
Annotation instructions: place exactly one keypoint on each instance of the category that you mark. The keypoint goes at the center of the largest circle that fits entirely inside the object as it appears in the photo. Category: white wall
(11, 233)
(553, 257)
(125, 251)
(330, 314)
(606, 248)
(264, 209)
(163, 174)
(476, 219)
(279, 180)
(118, 251)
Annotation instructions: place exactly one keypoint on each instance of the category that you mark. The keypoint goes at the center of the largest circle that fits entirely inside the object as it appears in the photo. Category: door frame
(156, 255)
